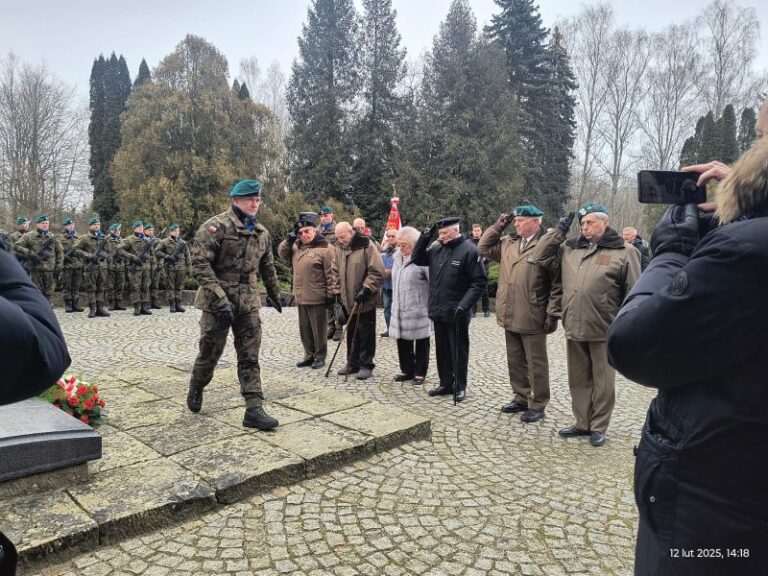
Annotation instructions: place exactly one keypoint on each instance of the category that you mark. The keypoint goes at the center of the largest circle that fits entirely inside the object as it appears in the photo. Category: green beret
(591, 207)
(137, 223)
(94, 220)
(41, 218)
(326, 210)
(527, 210)
(173, 227)
(246, 188)
(148, 225)
(447, 221)
(67, 222)
(114, 227)
(21, 220)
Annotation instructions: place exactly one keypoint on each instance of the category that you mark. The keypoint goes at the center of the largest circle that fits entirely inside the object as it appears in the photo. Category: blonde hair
(746, 186)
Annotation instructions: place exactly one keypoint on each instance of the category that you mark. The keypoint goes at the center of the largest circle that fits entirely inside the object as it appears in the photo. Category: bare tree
(586, 39)
(250, 74)
(623, 75)
(732, 34)
(43, 143)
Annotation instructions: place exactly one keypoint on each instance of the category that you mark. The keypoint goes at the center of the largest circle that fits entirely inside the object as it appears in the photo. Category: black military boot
(68, 305)
(76, 305)
(91, 310)
(118, 305)
(194, 398)
(255, 417)
(144, 309)
(155, 305)
(179, 307)
(137, 309)
(173, 305)
(100, 310)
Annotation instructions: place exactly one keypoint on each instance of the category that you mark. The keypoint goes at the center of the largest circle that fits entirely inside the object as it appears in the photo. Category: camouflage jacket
(173, 254)
(71, 259)
(13, 237)
(48, 248)
(227, 261)
(88, 245)
(131, 248)
(116, 262)
(154, 241)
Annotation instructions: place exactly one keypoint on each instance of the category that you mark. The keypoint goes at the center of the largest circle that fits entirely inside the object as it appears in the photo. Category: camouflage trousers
(71, 280)
(213, 338)
(94, 284)
(44, 280)
(156, 281)
(138, 283)
(115, 284)
(175, 283)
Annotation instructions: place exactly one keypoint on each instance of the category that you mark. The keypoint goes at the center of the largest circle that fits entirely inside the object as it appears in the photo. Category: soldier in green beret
(229, 254)
(115, 288)
(22, 227)
(136, 250)
(43, 251)
(156, 272)
(72, 274)
(174, 257)
(92, 249)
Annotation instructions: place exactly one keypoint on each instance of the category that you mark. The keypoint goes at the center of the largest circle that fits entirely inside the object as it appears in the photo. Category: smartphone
(658, 187)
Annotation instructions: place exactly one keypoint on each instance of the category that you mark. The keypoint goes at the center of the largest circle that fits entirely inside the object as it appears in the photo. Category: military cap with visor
(307, 219)
(447, 221)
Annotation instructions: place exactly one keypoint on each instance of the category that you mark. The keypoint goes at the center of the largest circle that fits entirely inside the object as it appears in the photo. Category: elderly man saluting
(597, 271)
(457, 278)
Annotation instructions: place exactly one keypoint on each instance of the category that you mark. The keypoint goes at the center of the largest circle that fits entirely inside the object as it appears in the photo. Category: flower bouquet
(76, 398)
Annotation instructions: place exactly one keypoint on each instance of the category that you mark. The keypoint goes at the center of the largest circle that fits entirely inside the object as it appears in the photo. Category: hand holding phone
(660, 187)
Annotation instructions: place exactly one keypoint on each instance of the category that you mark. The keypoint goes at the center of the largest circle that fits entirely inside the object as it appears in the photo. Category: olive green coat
(315, 272)
(360, 265)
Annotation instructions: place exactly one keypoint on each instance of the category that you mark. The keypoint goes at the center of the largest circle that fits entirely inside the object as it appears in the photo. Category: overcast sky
(68, 34)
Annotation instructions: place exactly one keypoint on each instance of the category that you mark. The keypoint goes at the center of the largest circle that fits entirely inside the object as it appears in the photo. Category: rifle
(174, 258)
(97, 256)
(36, 257)
(143, 255)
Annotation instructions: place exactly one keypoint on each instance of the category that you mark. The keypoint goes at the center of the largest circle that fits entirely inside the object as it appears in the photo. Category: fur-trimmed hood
(744, 192)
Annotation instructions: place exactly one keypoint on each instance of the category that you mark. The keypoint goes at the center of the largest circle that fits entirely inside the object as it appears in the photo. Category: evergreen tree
(98, 167)
(729, 145)
(709, 145)
(235, 87)
(746, 129)
(688, 152)
(321, 94)
(243, 93)
(143, 75)
(382, 70)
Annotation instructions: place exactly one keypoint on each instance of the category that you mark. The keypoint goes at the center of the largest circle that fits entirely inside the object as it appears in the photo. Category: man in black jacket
(695, 327)
(457, 278)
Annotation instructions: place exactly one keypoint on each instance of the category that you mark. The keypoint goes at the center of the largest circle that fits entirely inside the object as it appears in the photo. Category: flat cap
(527, 210)
(447, 221)
(246, 188)
(591, 207)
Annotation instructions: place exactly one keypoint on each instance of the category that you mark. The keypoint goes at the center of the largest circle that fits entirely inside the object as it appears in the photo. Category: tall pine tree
(375, 142)
(321, 94)
(98, 164)
(143, 75)
(746, 129)
(726, 127)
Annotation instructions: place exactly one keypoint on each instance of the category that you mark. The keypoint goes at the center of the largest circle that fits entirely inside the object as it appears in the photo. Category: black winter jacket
(697, 330)
(457, 276)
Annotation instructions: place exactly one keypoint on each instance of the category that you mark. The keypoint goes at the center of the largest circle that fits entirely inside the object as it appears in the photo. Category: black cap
(307, 219)
(447, 221)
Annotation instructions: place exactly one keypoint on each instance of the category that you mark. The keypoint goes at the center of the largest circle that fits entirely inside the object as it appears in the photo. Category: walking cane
(355, 310)
(456, 362)
(343, 333)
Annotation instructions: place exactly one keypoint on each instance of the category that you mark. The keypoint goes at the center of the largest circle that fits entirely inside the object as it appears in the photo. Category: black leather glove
(550, 322)
(431, 231)
(275, 304)
(460, 315)
(504, 221)
(331, 300)
(225, 314)
(363, 294)
(677, 231)
(564, 225)
(340, 315)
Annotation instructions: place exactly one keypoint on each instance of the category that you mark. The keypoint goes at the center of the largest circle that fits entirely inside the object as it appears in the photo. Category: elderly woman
(410, 323)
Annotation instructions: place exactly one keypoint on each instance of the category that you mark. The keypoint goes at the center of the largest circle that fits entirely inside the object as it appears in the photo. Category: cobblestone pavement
(488, 495)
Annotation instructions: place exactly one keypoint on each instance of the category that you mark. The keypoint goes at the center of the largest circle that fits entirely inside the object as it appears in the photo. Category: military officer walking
(136, 251)
(93, 250)
(72, 273)
(155, 269)
(229, 253)
(43, 252)
(115, 287)
(174, 257)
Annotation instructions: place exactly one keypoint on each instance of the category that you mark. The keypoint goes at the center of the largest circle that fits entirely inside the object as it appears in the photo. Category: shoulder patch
(679, 284)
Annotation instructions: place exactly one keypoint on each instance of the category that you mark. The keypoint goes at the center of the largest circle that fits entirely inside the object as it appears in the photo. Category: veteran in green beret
(173, 256)
(156, 271)
(136, 250)
(598, 269)
(44, 253)
(72, 273)
(115, 287)
(93, 250)
(524, 305)
(230, 252)
(22, 227)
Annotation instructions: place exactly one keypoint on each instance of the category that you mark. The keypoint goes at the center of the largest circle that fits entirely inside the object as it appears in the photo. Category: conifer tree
(709, 145)
(98, 170)
(746, 129)
(321, 94)
(726, 127)
(243, 93)
(143, 75)
(235, 87)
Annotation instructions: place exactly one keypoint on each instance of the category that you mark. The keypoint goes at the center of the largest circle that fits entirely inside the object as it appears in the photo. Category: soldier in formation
(174, 258)
(22, 227)
(137, 252)
(115, 270)
(43, 252)
(72, 272)
(94, 252)
(156, 271)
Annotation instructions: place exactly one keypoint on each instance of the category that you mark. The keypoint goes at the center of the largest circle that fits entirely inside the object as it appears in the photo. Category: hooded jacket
(696, 329)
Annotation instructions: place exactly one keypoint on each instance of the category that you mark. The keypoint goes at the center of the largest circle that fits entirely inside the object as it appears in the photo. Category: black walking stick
(355, 310)
(343, 333)
(456, 362)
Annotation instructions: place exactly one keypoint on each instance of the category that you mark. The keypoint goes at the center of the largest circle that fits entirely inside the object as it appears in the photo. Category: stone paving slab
(182, 433)
(390, 426)
(120, 449)
(322, 402)
(234, 416)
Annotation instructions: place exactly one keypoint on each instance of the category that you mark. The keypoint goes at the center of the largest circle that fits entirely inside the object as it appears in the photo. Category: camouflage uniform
(72, 273)
(14, 237)
(156, 272)
(45, 247)
(227, 260)
(115, 286)
(93, 249)
(174, 258)
(137, 253)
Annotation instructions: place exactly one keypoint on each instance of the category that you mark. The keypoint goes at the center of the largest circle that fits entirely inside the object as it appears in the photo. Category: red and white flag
(393, 222)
